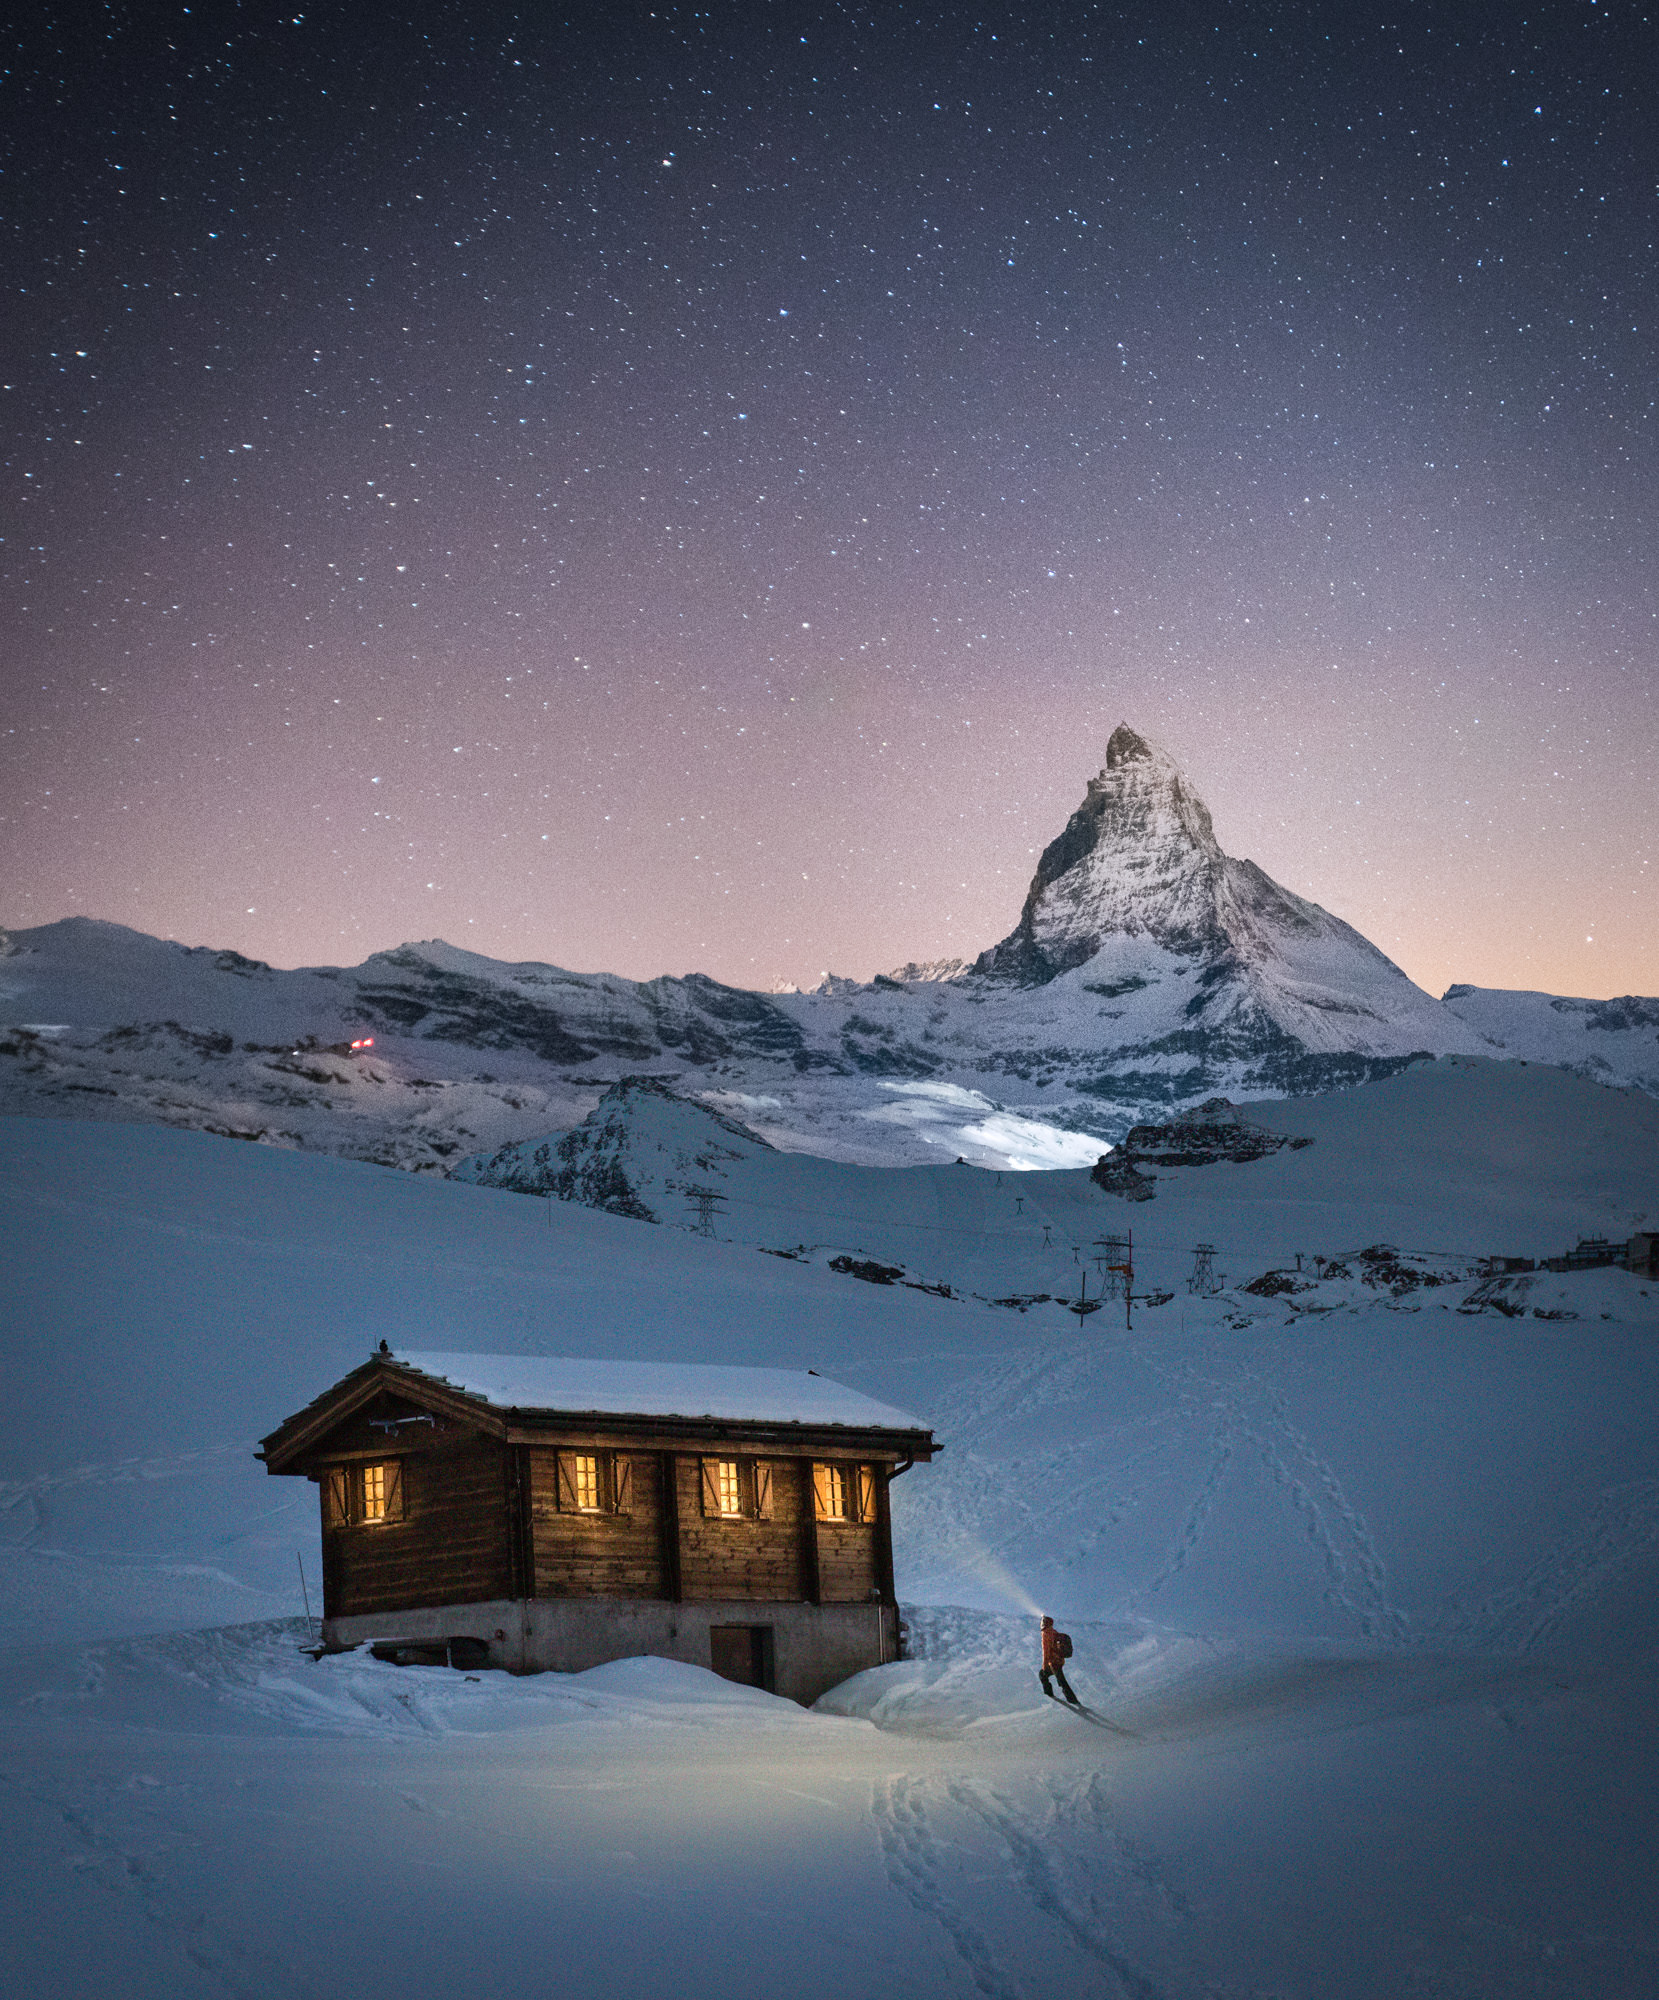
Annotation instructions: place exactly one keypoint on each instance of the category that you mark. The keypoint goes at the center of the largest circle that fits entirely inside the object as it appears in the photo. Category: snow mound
(264, 1679)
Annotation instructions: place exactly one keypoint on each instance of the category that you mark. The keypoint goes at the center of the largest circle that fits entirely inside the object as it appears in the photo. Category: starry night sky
(695, 489)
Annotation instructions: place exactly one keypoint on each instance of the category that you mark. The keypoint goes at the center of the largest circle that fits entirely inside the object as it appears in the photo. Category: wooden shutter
(866, 1475)
(822, 1492)
(337, 1510)
(763, 1489)
(622, 1479)
(568, 1503)
(394, 1491)
(711, 1488)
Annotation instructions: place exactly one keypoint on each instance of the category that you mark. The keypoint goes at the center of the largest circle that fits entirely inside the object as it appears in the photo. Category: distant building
(1590, 1253)
(1642, 1253)
(534, 1513)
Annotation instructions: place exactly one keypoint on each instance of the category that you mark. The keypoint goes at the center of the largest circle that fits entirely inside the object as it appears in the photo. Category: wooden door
(742, 1653)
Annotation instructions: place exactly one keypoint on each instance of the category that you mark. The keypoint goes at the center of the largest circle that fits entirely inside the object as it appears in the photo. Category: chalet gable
(377, 1407)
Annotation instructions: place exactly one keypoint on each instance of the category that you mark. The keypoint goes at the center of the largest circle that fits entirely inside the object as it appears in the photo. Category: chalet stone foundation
(803, 1650)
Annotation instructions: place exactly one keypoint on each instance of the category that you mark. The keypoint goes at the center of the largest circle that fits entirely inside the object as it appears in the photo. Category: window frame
(613, 1483)
(755, 1483)
(859, 1483)
(587, 1482)
(346, 1490)
(373, 1490)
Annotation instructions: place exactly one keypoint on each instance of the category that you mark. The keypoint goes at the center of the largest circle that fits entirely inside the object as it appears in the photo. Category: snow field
(1457, 1160)
(1376, 1588)
(213, 1813)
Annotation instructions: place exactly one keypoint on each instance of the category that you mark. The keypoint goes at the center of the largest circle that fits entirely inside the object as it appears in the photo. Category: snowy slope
(1463, 1158)
(1374, 1589)
(1616, 1041)
(172, 1296)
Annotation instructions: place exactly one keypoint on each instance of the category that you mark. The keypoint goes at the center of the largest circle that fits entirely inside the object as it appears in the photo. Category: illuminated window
(363, 1496)
(595, 1482)
(737, 1489)
(844, 1492)
(830, 1490)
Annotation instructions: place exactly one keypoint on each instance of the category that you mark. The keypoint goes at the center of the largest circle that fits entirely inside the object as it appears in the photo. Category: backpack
(1062, 1644)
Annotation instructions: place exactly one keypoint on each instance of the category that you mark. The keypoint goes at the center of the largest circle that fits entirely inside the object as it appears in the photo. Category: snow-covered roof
(660, 1389)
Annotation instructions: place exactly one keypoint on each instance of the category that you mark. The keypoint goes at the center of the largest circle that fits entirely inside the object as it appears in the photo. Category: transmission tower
(1113, 1263)
(708, 1203)
(1117, 1270)
(1203, 1279)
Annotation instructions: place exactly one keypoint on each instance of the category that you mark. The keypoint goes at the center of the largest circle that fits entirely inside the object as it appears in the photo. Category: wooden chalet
(529, 1513)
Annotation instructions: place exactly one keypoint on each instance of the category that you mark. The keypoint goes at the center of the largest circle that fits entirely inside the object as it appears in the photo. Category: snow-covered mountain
(1148, 971)
(1613, 1041)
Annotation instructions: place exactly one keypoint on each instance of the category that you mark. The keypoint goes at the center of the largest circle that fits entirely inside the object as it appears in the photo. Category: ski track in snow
(1198, 1513)
(1252, 1412)
(1059, 1850)
(108, 1835)
(118, 1471)
(914, 1864)
(20, 1511)
(1523, 1615)
(1246, 1416)
(1366, 1596)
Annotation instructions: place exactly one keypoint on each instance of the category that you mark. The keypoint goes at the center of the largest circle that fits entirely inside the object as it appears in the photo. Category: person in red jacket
(1056, 1652)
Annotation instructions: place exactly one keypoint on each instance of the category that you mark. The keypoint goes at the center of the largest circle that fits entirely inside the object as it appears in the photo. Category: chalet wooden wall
(846, 1561)
(454, 1543)
(482, 1520)
(745, 1559)
(597, 1555)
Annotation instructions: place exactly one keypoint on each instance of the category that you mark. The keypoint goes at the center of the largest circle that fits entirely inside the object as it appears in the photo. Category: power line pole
(1113, 1250)
(1083, 1305)
(707, 1201)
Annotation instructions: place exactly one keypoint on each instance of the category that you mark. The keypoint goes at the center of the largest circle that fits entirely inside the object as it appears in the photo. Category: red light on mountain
(366, 1043)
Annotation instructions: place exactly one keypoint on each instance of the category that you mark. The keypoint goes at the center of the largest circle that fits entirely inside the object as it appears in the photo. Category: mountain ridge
(1147, 972)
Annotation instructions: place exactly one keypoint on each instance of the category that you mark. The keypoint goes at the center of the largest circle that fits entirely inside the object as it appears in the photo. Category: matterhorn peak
(1137, 890)
(1138, 857)
(1125, 747)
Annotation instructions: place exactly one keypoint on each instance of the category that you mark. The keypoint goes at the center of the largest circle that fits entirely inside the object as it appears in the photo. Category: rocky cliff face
(1138, 858)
